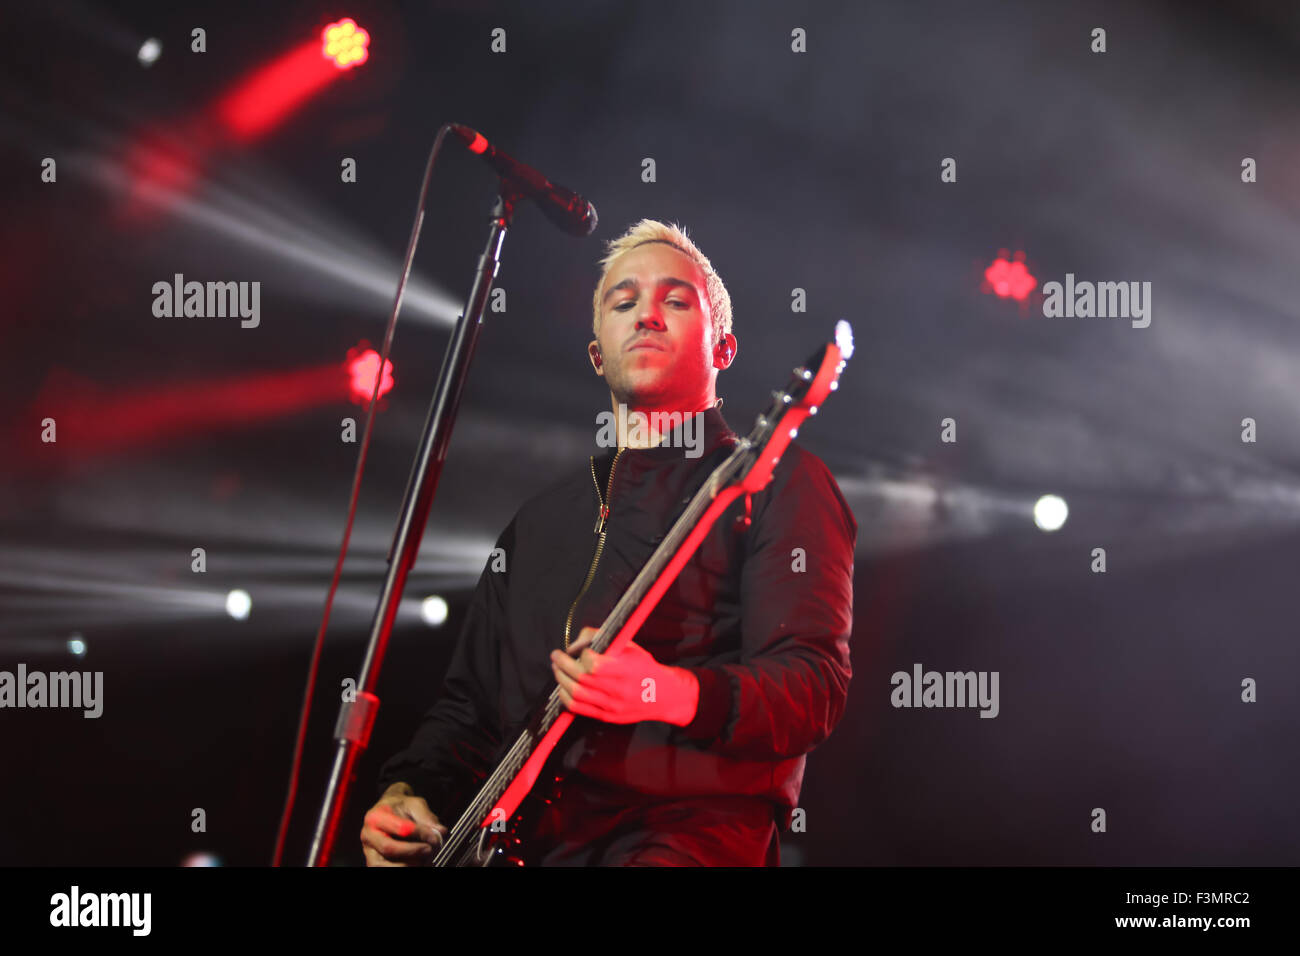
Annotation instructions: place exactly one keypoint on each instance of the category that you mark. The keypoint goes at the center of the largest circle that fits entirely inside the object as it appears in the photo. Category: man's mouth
(646, 344)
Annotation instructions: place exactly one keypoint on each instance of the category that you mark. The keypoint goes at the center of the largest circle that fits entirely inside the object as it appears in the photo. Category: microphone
(562, 206)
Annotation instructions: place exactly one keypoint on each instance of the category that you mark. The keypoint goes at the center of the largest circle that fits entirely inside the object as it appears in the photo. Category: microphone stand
(356, 718)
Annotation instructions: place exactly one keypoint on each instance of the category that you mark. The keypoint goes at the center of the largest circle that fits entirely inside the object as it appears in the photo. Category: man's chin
(642, 388)
(644, 397)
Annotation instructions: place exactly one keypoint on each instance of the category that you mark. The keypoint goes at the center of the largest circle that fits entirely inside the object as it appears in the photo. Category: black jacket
(761, 616)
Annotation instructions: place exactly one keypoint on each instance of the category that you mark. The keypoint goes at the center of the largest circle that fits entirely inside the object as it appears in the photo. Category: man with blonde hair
(688, 747)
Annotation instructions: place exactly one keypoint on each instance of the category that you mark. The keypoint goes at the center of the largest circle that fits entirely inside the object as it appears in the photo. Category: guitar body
(504, 844)
(501, 848)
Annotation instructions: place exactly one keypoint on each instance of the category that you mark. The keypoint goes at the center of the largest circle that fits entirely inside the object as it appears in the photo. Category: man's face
(656, 331)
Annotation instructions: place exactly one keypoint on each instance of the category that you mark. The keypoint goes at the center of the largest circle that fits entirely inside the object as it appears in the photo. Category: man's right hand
(401, 830)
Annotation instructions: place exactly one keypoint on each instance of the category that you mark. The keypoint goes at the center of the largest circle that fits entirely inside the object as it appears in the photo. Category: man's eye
(678, 302)
(624, 305)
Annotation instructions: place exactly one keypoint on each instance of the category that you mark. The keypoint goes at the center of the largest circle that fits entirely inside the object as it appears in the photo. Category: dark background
(818, 171)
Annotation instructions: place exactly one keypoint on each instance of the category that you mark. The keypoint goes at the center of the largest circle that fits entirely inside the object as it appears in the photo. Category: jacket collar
(716, 431)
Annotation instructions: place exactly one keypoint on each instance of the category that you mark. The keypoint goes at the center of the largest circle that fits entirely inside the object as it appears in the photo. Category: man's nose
(650, 318)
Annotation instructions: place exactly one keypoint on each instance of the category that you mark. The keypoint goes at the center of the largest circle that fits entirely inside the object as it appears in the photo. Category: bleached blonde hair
(651, 230)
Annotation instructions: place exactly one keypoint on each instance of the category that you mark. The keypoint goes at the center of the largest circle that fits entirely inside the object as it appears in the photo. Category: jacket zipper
(601, 517)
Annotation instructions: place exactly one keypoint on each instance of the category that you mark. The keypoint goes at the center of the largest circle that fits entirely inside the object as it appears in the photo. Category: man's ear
(593, 353)
(724, 353)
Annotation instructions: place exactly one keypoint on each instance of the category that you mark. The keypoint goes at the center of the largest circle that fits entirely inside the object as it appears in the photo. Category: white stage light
(1050, 512)
(150, 50)
(238, 604)
(434, 611)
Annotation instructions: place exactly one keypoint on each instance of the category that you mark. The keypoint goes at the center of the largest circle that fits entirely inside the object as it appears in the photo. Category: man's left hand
(625, 686)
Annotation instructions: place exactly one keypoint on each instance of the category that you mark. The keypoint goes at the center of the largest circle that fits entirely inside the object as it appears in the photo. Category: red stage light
(1009, 279)
(270, 94)
(104, 421)
(345, 43)
(362, 365)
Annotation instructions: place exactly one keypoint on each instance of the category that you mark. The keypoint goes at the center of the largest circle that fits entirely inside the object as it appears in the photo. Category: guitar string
(516, 757)
(488, 793)
(498, 782)
(681, 529)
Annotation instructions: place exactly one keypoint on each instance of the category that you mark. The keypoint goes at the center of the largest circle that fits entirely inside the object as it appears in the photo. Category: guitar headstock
(807, 389)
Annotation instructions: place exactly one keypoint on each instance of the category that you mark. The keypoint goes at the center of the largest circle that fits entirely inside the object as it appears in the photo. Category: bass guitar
(487, 832)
